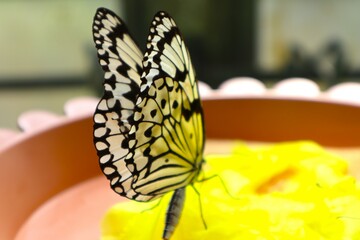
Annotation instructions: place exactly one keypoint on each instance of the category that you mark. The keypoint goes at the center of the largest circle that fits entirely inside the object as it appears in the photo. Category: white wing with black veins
(121, 60)
(148, 128)
(167, 136)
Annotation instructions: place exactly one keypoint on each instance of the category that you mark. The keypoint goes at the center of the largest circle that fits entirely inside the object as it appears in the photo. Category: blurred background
(47, 55)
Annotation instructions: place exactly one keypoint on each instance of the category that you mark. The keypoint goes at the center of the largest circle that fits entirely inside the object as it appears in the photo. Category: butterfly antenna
(221, 181)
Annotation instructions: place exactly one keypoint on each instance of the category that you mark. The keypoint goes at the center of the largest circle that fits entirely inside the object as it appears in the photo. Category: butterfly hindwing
(121, 60)
(167, 130)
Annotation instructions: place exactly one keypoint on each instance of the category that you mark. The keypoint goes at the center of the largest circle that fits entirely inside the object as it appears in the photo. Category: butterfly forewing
(168, 124)
(148, 128)
(121, 60)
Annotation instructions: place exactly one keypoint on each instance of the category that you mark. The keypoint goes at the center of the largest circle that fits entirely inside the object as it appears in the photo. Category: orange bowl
(51, 187)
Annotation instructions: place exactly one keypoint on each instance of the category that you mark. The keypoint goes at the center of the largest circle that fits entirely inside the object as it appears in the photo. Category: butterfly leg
(221, 181)
(200, 205)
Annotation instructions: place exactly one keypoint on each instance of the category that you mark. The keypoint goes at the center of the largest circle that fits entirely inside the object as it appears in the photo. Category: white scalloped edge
(290, 88)
(237, 87)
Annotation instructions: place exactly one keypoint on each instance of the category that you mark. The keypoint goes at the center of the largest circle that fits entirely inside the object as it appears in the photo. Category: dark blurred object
(331, 62)
(299, 63)
(220, 36)
(328, 65)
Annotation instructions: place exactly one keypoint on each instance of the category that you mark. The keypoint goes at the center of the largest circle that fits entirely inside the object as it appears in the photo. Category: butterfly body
(173, 213)
(148, 126)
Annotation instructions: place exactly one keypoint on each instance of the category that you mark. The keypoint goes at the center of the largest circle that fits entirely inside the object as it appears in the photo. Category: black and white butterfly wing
(167, 134)
(148, 126)
(121, 60)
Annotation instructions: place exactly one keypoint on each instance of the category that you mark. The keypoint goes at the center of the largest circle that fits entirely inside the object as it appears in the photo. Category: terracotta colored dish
(51, 187)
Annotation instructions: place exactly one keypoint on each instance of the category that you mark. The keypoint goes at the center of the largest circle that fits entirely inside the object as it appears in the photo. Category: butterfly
(148, 126)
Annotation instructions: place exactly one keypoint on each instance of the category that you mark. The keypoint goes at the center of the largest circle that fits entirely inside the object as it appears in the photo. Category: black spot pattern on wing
(121, 61)
(167, 128)
(148, 126)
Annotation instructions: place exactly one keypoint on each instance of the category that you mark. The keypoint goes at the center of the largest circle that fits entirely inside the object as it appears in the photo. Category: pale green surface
(47, 38)
(45, 41)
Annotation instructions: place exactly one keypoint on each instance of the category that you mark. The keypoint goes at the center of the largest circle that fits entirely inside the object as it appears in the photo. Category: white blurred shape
(80, 106)
(296, 87)
(242, 86)
(36, 119)
(204, 89)
(7, 135)
(348, 92)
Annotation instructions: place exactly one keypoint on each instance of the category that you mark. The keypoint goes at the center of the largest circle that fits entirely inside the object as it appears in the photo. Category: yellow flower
(285, 191)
